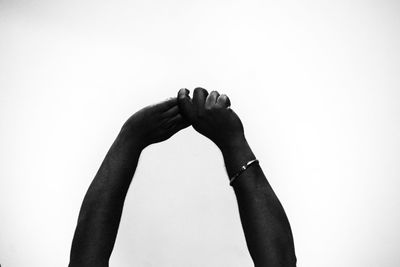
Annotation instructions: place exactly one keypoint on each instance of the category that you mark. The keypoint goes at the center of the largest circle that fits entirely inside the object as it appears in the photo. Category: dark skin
(266, 227)
(101, 209)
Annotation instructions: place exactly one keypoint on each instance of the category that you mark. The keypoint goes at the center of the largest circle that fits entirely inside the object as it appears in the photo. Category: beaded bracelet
(242, 169)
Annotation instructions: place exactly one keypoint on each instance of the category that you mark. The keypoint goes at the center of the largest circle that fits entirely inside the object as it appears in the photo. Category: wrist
(233, 144)
(236, 154)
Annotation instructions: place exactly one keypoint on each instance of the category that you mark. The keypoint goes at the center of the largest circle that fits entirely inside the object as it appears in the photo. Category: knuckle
(199, 90)
(215, 108)
(214, 92)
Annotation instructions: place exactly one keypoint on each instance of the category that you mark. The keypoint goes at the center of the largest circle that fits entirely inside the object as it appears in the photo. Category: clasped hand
(266, 227)
(209, 114)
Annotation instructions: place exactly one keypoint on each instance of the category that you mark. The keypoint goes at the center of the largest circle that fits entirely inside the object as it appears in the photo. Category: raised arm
(102, 206)
(266, 227)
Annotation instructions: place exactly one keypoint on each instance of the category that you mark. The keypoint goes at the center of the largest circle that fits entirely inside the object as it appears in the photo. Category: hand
(154, 123)
(211, 116)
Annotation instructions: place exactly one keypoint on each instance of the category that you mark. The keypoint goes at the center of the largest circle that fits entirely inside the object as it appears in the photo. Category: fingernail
(184, 91)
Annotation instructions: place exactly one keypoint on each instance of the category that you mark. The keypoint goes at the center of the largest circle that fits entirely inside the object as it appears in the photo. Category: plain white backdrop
(316, 84)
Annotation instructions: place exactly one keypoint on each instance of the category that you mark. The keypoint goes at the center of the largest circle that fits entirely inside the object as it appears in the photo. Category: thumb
(185, 104)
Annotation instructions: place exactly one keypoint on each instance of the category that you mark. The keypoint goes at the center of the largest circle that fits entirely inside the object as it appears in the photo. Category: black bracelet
(242, 169)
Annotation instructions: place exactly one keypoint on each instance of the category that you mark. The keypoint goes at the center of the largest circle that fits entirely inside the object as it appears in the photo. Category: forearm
(266, 227)
(102, 206)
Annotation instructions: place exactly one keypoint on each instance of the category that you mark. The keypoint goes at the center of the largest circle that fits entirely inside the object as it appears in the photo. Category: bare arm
(102, 206)
(266, 227)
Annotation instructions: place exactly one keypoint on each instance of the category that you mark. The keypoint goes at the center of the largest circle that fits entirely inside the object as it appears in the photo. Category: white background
(316, 84)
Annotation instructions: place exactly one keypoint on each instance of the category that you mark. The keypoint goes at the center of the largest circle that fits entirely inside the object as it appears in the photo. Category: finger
(167, 104)
(185, 104)
(171, 112)
(176, 128)
(177, 119)
(223, 101)
(199, 99)
(179, 125)
(211, 99)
